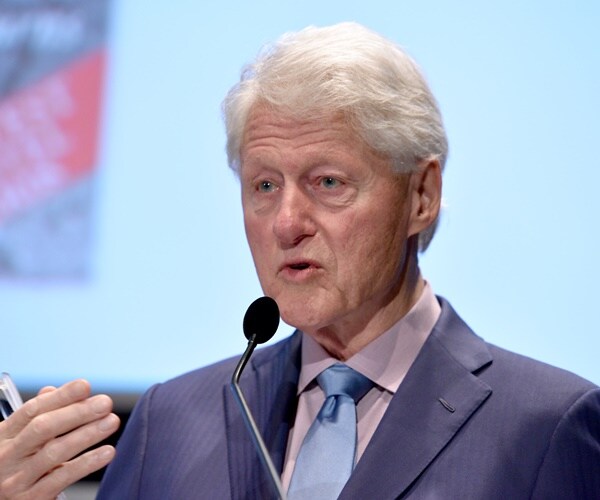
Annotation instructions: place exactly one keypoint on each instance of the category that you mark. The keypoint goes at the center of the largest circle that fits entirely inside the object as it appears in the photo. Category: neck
(344, 339)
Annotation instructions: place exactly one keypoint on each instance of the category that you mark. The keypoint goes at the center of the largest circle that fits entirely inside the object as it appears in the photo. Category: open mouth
(300, 266)
(299, 270)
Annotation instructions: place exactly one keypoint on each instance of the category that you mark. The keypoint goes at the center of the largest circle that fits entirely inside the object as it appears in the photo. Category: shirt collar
(385, 360)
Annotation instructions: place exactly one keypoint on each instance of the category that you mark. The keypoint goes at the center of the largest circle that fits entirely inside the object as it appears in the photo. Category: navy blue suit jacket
(469, 421)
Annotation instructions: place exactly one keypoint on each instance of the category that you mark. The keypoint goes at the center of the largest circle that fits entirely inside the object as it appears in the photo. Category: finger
(76, 469)
(65, 475)
(49, 425)
(64, 448)
(69, 393)
(48, 388)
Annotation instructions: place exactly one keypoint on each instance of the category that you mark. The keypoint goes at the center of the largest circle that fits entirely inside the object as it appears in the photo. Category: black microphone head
(261, 319)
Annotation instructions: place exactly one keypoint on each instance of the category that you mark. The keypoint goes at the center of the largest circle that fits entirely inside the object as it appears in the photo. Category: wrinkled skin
(39, 442)
(332, 230)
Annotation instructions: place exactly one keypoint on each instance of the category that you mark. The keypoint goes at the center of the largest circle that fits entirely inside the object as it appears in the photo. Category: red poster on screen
(52, 75)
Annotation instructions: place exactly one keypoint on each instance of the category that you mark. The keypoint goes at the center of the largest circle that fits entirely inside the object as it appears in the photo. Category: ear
(426, 196)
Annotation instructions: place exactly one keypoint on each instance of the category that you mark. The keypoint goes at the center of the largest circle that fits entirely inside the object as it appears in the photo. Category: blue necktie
(326, 458)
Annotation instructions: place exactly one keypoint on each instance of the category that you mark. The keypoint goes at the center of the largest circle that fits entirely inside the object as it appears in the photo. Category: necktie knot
(328, 452)
(341, 380)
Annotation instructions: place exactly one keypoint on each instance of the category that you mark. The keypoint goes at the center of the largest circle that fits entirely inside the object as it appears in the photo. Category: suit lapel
(269, 386)
(434, 401)
(438, 395)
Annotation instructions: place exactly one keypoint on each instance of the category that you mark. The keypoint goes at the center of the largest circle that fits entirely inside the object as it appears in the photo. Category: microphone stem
(249, 420)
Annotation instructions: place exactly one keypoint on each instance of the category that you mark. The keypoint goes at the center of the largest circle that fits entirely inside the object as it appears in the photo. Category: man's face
(326, 219)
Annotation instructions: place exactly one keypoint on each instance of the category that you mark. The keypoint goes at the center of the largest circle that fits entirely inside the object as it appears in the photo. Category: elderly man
(383, 391)
(339, 147)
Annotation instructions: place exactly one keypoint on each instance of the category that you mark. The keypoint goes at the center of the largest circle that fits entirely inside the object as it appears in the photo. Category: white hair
(350, 69)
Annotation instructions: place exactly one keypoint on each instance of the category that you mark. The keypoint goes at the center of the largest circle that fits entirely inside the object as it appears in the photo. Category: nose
(294, 217)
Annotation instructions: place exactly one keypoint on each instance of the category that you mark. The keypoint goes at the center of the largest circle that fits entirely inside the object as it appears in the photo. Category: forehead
(268, 122)
(272, 131)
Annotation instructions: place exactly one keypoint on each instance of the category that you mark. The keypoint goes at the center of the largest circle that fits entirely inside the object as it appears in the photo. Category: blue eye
(330, 182)
(266, 187)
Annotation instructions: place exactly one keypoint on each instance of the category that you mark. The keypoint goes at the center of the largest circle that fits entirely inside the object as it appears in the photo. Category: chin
(303, 307)
(302, 316)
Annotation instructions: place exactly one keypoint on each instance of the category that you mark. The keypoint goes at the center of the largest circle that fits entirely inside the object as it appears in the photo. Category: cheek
(259, 240)
(254, 237)
(255, 226)
(375, 247)
(367, 253)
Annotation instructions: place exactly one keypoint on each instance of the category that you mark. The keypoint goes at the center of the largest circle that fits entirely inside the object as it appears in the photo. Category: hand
(40, 443)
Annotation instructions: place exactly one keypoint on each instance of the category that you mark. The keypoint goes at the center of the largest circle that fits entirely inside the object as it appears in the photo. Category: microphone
(260, 324)
(261, 319)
